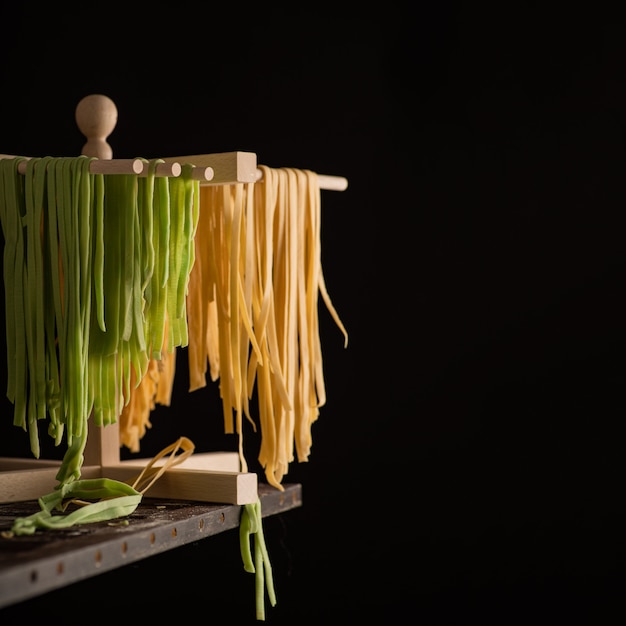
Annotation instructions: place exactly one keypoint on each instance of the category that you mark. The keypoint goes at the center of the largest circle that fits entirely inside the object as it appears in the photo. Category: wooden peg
(96, 117)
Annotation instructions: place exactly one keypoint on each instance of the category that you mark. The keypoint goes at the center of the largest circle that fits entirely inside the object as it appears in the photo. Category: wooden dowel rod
(116, 166)
(203, 174)
(329, 183)
(164, 169)
(332, 183)
(106, 166)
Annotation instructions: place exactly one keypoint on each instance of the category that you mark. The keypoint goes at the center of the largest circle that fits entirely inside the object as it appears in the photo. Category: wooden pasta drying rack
(214, 477)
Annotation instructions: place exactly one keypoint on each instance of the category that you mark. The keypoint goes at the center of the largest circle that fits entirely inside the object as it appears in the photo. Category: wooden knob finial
(96, 117)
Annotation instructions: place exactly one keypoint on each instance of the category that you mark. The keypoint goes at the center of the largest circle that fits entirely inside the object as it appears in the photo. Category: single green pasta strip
(98, 258)
(177, 217)
(245, 525)
(36, 285)
(156, 295)
(251, 527)
(145, 202)
(51, 291)
(8, 172)
(114, 499)
(16, 287)
(128, 234)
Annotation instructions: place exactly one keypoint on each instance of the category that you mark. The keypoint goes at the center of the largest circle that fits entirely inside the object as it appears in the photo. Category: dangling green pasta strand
(21, 360)
(98, 254)
(113, 499)
(127, 234)
(146, 201)
(54, 316)
(8, 173)
(190, 225)
(33, 309)
(51, 289)
(177, 213)
(251, 525)
(35, 191)
(157, 289)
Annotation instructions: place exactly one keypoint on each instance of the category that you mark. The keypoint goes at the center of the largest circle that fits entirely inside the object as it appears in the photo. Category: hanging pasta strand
(304, 397)
(271, 390)
(12, 214)
(284, 303)
(220, 247)
(199, 300)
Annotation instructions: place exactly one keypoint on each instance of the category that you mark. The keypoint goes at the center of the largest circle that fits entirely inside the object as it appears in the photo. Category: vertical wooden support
(96, 117)
(103, 444)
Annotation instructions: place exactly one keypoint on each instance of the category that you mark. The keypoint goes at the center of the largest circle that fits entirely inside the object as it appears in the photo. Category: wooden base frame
(204, 477)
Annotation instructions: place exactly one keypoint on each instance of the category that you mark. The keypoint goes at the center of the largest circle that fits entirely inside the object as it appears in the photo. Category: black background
(468, 465)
